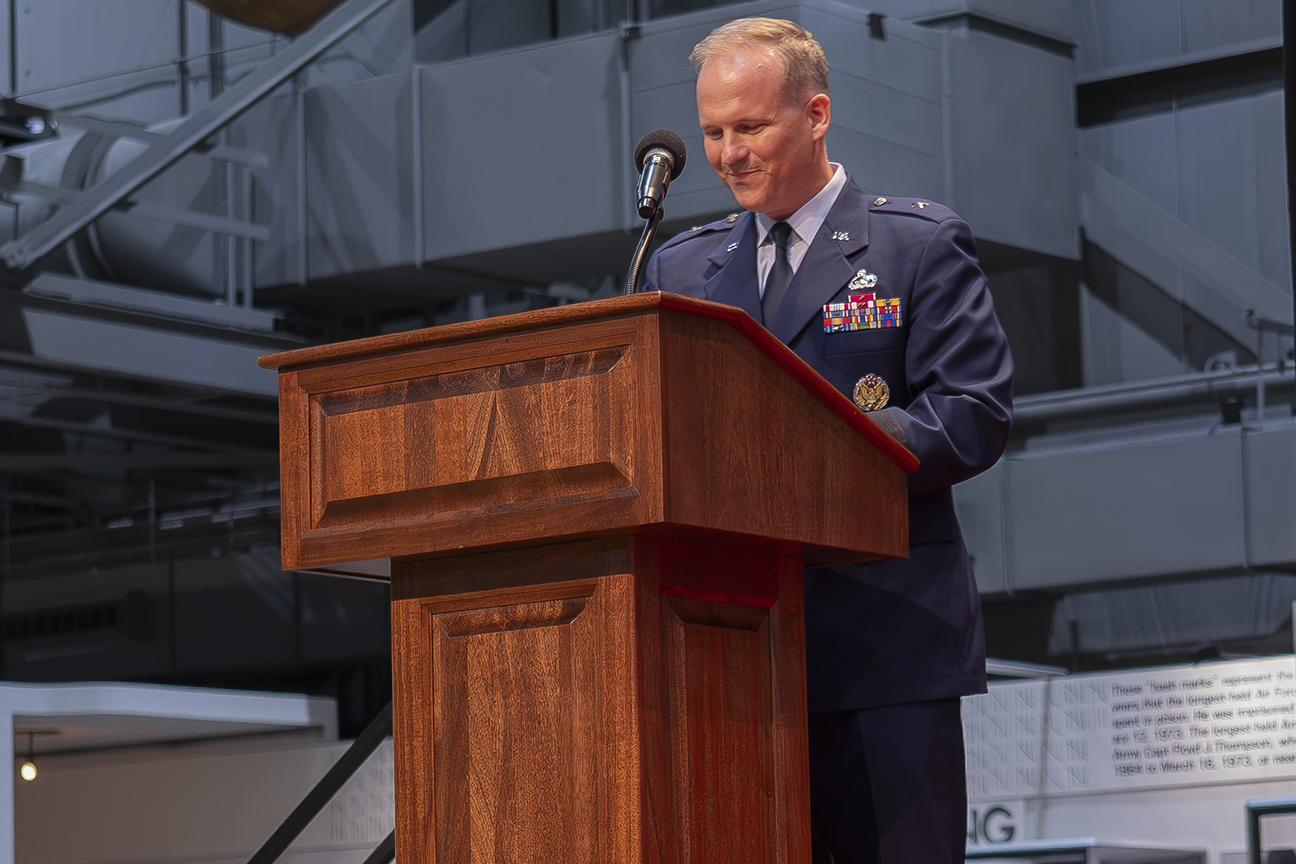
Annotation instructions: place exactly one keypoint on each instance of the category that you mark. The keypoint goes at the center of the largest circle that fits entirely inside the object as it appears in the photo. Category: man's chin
(747, 199)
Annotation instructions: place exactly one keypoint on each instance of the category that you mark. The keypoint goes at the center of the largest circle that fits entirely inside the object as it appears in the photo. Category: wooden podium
(597, 518)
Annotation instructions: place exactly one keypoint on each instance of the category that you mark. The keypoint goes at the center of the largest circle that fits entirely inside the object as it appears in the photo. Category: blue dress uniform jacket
(894, 631)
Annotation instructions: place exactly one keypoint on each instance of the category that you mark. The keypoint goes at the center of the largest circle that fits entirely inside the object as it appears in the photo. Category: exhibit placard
(1221, 722)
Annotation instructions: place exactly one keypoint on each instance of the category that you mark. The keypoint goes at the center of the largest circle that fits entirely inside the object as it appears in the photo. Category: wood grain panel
(718, 661)
(553, 700)
(662, 415)
(474, 442)
(749, 449)
(550, 433)
(294, 466)
(571, 318)
(504, 376)
(514, 690)
(521, 710)
(545, 572)
(721, 574)
(790, 721)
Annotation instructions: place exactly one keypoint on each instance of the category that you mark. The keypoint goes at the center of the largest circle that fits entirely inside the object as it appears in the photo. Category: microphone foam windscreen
(666, 140)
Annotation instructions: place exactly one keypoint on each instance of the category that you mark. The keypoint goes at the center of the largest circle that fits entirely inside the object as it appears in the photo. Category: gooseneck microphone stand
(640, 258)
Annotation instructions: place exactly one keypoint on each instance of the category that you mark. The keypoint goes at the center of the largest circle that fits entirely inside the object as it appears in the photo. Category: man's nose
(733, 153)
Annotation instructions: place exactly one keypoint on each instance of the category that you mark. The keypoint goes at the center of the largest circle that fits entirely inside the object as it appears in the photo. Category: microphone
(659, 156)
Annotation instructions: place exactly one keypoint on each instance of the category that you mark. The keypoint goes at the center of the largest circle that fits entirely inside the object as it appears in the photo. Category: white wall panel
(523, 147)
(979, 503)
(1217, 175)
(1011, 127)
(1113, 349)
(1269, 460)
(1116, 506)
(62, 42)
(1138, 151)
(361, 201)
(1209, 25)
(1116, 37)
(1051, 18)
(1272, 234)
(198, 803)
(1119, 512)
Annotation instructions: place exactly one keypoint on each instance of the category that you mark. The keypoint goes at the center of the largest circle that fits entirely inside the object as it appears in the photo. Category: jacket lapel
(825, 270)
(736, 283)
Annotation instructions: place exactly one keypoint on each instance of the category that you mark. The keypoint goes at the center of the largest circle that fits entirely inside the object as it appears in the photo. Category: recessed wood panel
(719, 679)
(516, 733)
(473, 441)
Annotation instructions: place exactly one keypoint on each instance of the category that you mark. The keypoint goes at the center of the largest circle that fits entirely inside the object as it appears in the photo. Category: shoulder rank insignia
(871, 393)
(862, 312)
(731, 218)
(918, 205)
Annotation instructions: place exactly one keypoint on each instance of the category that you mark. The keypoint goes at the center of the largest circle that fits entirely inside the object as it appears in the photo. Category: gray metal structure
(1120, 163)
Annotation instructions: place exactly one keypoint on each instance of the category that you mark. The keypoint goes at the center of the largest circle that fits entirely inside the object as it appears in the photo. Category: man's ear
(818, 114)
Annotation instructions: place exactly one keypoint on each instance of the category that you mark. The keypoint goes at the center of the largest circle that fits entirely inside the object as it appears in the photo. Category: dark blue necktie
(776, 283)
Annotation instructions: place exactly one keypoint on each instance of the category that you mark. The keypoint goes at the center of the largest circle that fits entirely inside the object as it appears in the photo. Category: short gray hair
(805, 68)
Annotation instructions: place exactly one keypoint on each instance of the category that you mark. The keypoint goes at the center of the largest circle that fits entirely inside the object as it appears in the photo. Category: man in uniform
(884, 297)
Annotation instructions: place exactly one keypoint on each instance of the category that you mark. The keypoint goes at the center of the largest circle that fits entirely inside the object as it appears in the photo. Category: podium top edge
(613, 307)
(535, 319)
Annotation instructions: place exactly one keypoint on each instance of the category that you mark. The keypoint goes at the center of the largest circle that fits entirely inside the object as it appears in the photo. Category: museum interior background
(411, 163)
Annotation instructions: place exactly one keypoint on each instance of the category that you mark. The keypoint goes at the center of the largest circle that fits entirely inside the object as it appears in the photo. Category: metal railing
(1257, 809)
(1152, 393)
(343, 770)
(1019, 669)
(164, 151)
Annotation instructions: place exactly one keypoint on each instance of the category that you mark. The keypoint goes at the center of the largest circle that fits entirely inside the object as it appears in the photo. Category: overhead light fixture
(27, 770)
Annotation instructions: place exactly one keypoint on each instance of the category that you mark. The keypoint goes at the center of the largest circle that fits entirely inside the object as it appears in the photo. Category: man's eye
(750, 130)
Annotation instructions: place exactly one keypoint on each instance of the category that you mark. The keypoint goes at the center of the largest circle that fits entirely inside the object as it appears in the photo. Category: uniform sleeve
(652, 273)
(958, 365)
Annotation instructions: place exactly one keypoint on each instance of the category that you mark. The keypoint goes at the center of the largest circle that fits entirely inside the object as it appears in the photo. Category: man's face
(765, 146)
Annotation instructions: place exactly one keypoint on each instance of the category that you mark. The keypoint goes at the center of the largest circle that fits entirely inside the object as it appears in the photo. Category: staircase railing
(164, 151)
(343, 770)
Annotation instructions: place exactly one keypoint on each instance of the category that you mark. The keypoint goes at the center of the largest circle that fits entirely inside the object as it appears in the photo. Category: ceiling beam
(42, 463)
(128, 434)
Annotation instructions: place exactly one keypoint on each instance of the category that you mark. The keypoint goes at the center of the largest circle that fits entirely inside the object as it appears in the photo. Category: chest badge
(863, 281)
(871, 393)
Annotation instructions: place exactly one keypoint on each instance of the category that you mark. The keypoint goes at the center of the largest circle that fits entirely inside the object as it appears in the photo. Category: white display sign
(1173, 726)
(998, 821)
